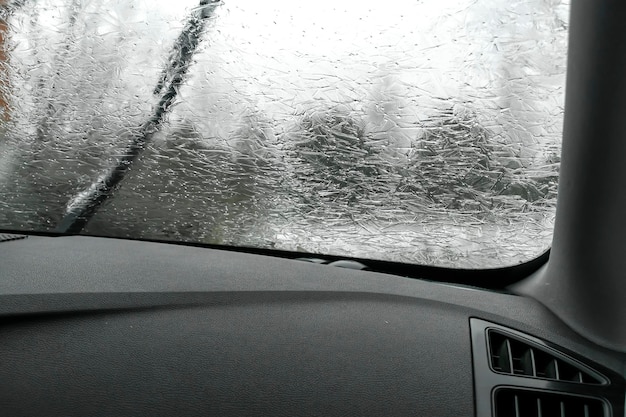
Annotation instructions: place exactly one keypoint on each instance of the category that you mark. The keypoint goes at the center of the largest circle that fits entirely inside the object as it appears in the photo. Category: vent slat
(532, 362)
(557, 373)
(509, 354)
(514, 356)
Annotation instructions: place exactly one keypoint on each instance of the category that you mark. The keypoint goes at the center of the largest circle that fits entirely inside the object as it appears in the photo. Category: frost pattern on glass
(417, 131)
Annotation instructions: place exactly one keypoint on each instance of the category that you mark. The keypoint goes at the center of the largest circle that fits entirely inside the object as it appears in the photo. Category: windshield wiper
(84, 205)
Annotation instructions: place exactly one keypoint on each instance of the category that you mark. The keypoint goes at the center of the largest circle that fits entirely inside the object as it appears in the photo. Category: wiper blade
(84, 205)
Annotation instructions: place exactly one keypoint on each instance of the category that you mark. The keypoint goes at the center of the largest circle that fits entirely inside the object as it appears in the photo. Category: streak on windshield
(422, 132)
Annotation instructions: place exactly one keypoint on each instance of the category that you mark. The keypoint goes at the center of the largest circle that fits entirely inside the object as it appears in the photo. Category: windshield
(422, 132)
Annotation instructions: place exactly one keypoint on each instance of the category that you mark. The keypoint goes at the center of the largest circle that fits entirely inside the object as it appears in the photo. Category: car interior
(106, 326)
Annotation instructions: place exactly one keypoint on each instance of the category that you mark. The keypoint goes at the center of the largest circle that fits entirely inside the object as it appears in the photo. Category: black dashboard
(98, 326)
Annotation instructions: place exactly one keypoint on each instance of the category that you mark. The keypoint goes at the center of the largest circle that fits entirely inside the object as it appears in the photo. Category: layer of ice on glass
(415, 131)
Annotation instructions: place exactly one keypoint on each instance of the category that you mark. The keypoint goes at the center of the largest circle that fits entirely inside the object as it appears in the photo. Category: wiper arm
(84, 205)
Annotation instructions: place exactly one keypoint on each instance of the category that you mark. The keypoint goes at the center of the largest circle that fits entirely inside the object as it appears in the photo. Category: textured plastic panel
(92, 326)
(253, 353)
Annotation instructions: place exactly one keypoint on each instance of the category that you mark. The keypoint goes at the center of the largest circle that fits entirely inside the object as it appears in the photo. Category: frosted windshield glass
(415, 131)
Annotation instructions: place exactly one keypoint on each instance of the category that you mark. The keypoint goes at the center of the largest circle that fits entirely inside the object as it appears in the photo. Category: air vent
(519, 375)
(510, 355)
(511, 402)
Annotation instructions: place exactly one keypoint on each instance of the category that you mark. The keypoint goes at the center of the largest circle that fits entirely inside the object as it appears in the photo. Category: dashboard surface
(98, 326)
